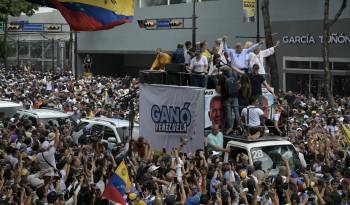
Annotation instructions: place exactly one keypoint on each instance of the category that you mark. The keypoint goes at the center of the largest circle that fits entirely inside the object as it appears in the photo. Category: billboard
(170, 113)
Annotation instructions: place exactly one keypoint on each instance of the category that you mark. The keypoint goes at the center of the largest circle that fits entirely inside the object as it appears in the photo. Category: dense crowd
(40, 163)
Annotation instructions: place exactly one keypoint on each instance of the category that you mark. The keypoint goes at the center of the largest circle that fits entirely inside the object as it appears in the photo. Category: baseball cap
(152, 168)
(51, 136)
(132, 196)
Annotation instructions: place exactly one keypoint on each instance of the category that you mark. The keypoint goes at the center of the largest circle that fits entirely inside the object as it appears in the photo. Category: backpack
(231, 86)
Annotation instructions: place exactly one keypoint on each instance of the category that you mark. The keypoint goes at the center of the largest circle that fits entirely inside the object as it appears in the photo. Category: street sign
(163, 23)
(33, 27)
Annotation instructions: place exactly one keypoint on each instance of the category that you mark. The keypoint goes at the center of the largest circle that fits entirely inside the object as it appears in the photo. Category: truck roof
(260, 142)
(113, 121)
(45, 113)
(8, 104)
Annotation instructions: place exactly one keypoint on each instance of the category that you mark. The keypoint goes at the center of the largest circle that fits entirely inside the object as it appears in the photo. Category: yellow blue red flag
(123, 173)
(92, 15)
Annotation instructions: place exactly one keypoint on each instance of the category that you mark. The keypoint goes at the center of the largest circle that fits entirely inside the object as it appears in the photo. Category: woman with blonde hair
(247, 44)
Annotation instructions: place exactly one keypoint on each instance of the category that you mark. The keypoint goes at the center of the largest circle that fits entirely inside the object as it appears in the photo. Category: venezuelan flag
(92, 15)
(123, 173)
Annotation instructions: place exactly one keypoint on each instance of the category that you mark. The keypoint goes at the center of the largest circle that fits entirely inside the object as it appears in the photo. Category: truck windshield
(272, 156)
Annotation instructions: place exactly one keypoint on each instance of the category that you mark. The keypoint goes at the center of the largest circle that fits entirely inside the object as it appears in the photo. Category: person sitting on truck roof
(216, 140)
(251, 117)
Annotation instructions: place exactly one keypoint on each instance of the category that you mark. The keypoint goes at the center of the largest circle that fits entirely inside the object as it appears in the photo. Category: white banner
(169, 113)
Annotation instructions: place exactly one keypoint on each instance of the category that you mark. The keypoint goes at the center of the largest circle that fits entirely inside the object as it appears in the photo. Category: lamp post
(194, 23)
(257, 22)
(53, 53)
(76, 54)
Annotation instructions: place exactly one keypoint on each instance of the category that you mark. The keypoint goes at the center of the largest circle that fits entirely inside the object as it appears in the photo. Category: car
(8, 108)
(113, 130)
(45, 115)
(270, 151)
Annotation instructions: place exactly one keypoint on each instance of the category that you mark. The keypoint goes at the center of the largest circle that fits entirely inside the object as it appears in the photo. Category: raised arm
(268, 87)
(250, 49)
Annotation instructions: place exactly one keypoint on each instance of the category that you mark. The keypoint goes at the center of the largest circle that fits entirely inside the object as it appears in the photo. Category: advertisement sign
(169, 114)
(249, 10)
(214, 109)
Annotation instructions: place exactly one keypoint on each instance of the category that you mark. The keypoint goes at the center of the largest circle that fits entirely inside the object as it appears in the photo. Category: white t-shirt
(332, 130)
(50, 157)
(254, 115)
(198, 66)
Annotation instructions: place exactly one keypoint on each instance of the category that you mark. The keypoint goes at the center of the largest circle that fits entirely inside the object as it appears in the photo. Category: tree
(12, 8)
(271, 61)
(327, 24)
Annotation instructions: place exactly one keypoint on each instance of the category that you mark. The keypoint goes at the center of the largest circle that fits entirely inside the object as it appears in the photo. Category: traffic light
(13, 27)
(150, 24)
(53, 28)
(176, 24)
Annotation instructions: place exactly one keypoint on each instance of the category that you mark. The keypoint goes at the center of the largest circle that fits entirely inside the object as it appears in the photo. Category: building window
(23, 49)
(36, 49)
(298, 64)
(11, 49)
(317, 65)
(341, 65)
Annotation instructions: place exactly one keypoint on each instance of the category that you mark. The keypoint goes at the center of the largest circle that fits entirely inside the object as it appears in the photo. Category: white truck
(270, 151)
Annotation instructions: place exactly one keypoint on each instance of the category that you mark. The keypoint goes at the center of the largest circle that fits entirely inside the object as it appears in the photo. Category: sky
(44, 10)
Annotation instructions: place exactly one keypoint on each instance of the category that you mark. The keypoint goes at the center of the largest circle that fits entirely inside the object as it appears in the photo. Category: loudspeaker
(152, 77)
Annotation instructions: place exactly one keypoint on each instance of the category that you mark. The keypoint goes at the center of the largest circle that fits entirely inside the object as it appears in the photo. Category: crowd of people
(41, 164)
(238, 74)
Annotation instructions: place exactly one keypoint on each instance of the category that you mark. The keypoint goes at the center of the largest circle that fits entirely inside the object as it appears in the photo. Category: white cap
(152, 168)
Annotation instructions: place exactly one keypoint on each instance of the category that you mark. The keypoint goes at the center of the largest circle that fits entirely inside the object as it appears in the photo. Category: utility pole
(76, 55)
(257, 22)
(194, 24)
(18, 64)
(53, 53)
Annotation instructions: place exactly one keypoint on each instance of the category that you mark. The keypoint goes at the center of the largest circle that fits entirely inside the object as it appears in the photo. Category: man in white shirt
(257, 57)
(238, 55)
(251, 117)
(46, 158)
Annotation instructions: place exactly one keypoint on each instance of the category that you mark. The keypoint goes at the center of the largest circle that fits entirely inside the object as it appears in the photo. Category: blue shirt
(194, 200)
(217, 140)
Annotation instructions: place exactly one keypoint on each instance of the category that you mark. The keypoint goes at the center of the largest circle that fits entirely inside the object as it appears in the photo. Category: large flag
(111, 193)
(92, 15)
(118, 183)
(346, 133)
(123, 173)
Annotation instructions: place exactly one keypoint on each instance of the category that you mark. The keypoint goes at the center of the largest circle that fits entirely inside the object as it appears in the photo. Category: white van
(269, 150)
(113, 130)
(45, 115)
(8, 109)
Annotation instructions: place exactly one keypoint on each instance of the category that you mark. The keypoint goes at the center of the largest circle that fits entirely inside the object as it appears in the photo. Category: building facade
(42, 50)
(296, 24)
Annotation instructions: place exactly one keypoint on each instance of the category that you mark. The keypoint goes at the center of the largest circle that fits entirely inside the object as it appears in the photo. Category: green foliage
(16, 8)
(13, 8)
